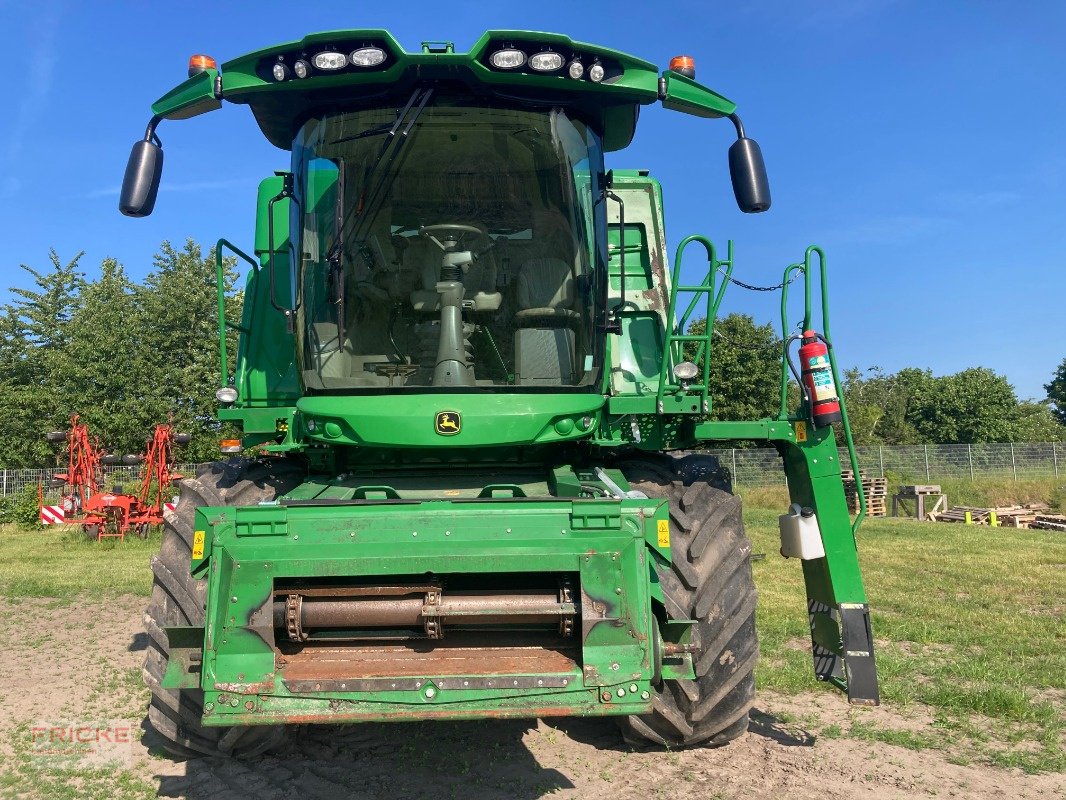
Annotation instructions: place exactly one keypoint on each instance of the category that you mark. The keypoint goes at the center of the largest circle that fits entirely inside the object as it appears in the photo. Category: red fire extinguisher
(818, 379)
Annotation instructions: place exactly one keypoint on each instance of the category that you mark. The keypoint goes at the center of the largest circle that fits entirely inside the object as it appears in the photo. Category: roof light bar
(330, 60)
(546, 61)
(508, 58)
(367, 57)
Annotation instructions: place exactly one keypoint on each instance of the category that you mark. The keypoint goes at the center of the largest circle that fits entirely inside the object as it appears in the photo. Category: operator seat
(546, 320)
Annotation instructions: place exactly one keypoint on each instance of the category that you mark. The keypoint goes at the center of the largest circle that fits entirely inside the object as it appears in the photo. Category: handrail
(220, 286)
(849, 441)
(675, 333)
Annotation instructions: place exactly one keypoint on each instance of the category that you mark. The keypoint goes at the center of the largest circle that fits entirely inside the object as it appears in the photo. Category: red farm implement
(103, 514)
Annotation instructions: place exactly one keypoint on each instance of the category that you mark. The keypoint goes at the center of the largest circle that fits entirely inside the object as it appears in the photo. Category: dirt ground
(82, 661)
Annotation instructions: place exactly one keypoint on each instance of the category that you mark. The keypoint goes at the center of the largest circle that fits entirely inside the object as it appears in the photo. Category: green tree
(1036, 422)
(46, 311)
(877, 405)
(975, 405)
(103, 370)
(1056, 392)
(745, 367)
(178, 332)
(34, 330)
(124, 356)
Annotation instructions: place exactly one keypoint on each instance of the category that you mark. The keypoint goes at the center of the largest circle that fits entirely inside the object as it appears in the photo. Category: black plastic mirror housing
(748, 174)
(140, 185)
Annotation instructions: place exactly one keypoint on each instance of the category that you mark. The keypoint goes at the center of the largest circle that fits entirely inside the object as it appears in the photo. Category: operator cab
(449, 243)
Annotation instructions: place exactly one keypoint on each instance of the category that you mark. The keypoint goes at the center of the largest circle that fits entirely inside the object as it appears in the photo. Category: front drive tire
(179, 599)
(709, 581)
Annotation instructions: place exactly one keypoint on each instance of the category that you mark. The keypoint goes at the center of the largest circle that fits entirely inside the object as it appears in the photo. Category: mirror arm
(738, 125)
(149, 133)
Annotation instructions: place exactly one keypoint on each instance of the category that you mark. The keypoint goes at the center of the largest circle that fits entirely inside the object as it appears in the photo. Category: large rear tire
(178, 599)
(709, 581)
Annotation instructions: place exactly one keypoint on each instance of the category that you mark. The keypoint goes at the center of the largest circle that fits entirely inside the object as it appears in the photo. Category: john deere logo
(448, 423)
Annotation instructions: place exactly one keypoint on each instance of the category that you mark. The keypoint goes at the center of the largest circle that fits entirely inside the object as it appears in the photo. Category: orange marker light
(200, 63)
(230, 445)
(684, 65)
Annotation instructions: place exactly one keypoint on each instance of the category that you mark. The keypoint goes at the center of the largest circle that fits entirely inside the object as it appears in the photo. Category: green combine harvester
(464, 360)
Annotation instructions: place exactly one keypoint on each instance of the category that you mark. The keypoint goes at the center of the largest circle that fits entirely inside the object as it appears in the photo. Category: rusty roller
(425, 609)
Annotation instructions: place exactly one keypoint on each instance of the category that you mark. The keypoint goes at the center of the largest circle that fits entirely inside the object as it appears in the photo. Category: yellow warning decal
(801, 431)
(198, 544)
(664, 533)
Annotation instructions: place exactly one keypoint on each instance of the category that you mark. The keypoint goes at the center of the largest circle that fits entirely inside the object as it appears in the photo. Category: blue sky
(923, 145)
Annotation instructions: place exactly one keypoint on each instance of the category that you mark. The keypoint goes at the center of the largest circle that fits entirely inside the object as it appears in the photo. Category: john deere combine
(464, 359)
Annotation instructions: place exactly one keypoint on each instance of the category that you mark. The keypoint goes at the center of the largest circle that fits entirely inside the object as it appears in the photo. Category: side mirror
(748, 173)
(141, 182)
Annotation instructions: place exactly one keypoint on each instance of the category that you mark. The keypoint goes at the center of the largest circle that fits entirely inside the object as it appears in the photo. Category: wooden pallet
(1005, 516)
(1049, 522)
(875, 491)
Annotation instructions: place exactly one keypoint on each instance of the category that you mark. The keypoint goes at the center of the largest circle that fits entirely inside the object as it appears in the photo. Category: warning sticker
(198, 544)
(801, 431)
(664, 533)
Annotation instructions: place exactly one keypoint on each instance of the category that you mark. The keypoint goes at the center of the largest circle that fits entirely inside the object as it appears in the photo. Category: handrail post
(845, 422)
(785, 281)
(220, 287)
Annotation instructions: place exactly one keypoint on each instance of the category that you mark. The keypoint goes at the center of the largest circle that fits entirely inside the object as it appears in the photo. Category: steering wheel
(458, 233)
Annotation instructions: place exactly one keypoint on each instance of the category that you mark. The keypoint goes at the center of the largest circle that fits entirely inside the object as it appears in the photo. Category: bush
(21, 507)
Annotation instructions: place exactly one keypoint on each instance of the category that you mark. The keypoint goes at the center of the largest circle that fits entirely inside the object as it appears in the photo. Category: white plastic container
(800, 535)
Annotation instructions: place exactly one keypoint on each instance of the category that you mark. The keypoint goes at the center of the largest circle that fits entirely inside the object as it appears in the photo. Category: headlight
(330, 61)
(281, 72)
(596, 73)
(367, 57)
(685, 370)
(546, 62)
(508, 59)
(576, 69)
(227, 394)
(301, 68)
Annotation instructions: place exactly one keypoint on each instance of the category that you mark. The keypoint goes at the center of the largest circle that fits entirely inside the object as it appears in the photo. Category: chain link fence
(13, 481)
(760, 466)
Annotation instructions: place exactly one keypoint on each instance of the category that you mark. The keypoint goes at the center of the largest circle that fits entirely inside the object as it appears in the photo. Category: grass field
(969, 622)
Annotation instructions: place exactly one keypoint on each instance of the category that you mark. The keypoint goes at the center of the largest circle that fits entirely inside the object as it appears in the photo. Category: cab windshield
(446, 244)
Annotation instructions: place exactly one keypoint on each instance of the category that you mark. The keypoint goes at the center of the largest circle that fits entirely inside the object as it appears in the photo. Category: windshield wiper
(335, 254)
(370, 201)
(337, 246)
(364, 134)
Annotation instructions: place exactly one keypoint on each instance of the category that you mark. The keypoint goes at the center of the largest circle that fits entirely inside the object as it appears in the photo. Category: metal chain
(751, 288)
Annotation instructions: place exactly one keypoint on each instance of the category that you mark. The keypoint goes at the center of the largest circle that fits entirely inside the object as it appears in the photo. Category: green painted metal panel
(189, 99)
(684, 94)
(268, 189)
(485, 419)
(603, 543)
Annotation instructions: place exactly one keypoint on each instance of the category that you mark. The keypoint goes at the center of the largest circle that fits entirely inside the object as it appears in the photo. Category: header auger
(461, 363)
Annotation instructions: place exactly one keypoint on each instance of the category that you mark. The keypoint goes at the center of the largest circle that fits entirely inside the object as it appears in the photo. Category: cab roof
(281, 106)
